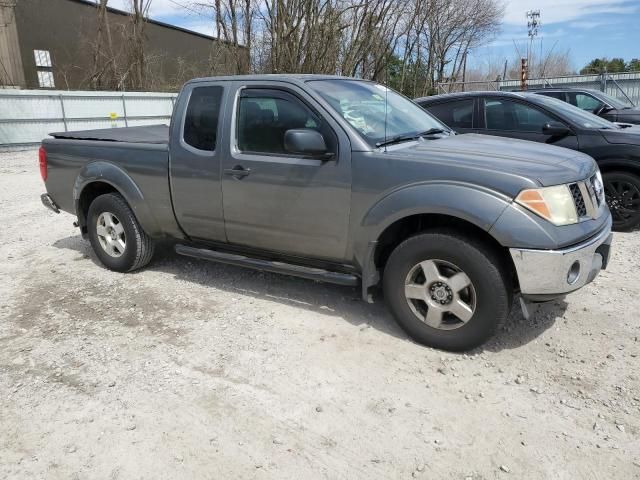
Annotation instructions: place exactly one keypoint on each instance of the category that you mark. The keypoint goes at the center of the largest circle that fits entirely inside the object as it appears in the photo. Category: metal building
(50, 44)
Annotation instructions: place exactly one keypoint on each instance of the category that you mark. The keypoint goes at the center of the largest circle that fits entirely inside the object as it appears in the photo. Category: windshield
(362, 104)
(574, 114)
(619, 103)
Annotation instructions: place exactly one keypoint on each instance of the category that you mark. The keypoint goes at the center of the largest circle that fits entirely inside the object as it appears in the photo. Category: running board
(310, 273)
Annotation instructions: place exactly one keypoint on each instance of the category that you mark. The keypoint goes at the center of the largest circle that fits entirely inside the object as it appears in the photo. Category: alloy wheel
(440, 294)
(623, 199)
(111, 234)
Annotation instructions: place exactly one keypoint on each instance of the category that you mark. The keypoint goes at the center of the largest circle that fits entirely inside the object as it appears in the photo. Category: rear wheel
(447, 291)
(116, 236)
(622, 192)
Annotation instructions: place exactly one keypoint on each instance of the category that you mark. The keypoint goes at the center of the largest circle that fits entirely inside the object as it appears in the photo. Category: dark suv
(538, 118)
(596, 102)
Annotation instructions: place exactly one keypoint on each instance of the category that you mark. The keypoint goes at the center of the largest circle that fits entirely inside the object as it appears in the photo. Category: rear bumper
(545, 274)
(48, 202)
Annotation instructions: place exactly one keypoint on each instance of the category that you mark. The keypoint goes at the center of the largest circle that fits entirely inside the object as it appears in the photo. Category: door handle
(237, 172)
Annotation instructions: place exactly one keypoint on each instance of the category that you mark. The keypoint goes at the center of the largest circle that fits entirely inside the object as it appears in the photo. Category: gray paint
(321, 210)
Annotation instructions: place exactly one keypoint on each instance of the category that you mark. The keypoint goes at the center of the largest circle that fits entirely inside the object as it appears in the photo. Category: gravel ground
(197, 370)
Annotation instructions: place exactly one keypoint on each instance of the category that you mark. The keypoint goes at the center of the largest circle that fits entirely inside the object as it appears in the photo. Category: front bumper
(544, 274)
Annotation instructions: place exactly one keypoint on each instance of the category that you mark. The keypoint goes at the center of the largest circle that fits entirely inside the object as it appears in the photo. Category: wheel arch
(98, 178)
(411, 225)
(467, 209)
(620, 164)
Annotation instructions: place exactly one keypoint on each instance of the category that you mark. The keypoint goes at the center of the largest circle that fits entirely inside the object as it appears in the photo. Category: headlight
(598, 187)
(551, 203)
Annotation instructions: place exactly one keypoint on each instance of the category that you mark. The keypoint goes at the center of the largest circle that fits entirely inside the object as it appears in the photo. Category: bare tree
(233, 26)
(410, 44)
(136, 73)
(104, 73)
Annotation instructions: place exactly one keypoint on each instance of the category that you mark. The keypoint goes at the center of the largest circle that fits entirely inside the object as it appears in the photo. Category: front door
(278, 201)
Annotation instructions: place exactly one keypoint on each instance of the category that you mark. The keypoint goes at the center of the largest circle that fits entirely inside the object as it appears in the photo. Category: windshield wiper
(413, 136)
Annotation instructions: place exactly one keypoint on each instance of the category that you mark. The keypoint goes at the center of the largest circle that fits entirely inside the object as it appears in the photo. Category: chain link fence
(625, 86)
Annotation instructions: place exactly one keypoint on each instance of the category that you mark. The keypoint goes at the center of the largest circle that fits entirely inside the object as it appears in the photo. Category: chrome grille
(578, 200)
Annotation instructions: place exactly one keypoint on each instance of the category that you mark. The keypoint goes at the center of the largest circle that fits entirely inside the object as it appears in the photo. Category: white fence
(28, 116)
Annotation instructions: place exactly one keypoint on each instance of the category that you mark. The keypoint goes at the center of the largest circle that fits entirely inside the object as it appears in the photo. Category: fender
(118, 178)
(477, 205)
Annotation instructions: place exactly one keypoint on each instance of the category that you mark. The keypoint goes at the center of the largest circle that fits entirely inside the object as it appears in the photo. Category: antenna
(533, 22)
(386, 102)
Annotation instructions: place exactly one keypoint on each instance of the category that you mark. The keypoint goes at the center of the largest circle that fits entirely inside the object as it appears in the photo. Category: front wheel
(622, 192)
(116, 236)
(446, 290)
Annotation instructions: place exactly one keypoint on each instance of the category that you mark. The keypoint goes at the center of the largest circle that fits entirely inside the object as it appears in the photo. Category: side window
(265, 115)
(457, 114)
(513, 116)
(586, 102)
(558, 95)
(201, 119)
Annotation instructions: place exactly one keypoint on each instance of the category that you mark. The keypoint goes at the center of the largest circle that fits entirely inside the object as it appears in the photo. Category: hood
(545, 164)
(630, 115)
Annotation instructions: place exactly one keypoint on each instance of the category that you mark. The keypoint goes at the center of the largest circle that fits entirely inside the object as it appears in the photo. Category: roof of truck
(282, 77)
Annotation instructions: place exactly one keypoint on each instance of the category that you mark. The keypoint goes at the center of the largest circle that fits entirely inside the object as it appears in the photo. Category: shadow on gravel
(319, 297)
(519, 331)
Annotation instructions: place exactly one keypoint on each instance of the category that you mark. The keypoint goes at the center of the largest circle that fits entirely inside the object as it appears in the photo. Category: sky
(587, 28)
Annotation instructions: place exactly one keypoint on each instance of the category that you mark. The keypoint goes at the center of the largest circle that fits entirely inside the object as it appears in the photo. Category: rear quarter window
(201, 119)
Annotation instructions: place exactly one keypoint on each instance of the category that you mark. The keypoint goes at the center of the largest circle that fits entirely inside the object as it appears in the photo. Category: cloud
(588, 24)
(553, 11)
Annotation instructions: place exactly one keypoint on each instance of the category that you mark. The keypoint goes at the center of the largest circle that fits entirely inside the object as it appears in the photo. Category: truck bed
(156, 134)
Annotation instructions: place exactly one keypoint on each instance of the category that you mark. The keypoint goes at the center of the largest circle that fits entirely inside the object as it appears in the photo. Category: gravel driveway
(189, 369)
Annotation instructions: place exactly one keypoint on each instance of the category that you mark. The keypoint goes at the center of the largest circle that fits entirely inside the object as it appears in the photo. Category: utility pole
(464, 70)
(523, 73)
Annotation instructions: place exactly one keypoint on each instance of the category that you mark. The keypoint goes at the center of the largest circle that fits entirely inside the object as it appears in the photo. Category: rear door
(506, 117)
(278, 201)
(457, 114)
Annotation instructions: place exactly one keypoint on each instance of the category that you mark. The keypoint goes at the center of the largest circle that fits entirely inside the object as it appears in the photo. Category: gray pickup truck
(345, 181)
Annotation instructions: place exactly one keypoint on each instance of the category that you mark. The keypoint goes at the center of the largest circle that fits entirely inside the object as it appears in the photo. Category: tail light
(42, 156)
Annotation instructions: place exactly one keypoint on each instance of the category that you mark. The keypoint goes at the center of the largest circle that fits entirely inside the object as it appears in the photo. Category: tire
(622, 191)
(486, 299)
(116, 236)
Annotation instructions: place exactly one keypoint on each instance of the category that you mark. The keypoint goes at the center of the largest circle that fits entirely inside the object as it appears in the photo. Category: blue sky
(587, 28)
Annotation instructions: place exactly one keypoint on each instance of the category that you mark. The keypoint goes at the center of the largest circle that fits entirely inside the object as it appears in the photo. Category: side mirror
(556, 129)
(305, 141)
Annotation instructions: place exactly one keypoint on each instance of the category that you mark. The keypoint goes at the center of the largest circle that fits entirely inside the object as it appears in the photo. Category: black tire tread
(634, 177)
(496, 261)
(145, 245)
